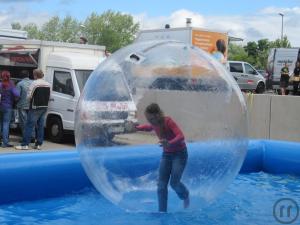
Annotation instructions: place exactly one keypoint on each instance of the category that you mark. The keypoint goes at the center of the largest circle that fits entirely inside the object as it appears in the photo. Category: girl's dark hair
(154, 108)
(221, 46)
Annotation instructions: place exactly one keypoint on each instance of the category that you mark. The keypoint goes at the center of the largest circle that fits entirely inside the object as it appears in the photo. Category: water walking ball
(193, 89)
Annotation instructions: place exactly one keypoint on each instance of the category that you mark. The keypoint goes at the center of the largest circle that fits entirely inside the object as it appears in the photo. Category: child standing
(174, 157)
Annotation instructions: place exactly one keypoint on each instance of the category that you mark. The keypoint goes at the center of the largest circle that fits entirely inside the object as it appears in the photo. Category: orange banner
(206, 40)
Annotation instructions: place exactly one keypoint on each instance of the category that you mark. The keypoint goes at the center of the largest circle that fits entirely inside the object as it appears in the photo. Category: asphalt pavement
(15, 139)
(69, 142)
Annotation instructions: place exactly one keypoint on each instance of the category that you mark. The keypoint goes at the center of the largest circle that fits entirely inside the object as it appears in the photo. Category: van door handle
(51, 100)
(70, 110)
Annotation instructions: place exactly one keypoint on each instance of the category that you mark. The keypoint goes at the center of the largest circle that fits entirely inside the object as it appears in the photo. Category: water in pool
(248, 200)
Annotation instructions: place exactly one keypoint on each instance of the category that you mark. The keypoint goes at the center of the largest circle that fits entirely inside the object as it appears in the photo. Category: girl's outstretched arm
(144, 127)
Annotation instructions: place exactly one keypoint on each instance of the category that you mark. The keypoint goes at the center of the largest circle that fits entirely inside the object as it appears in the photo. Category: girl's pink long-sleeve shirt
(172, 134)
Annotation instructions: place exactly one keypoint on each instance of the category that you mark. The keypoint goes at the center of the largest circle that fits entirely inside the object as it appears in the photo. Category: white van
(276, 60)
(66, 66)
(247, 77)
(68, 73)
(110, 109)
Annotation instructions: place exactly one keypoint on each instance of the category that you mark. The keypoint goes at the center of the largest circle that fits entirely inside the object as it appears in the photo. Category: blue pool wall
(33, 176)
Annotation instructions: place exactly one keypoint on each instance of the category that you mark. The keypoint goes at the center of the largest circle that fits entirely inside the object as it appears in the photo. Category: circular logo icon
(286, 211)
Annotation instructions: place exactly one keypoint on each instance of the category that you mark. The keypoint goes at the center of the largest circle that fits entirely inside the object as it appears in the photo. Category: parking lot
(69, 142)
(15, 138)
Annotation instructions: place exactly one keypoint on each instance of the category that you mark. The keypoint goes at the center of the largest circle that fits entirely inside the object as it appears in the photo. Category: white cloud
(176, 19)
(276, 10)
(21, 14)
(264, 24)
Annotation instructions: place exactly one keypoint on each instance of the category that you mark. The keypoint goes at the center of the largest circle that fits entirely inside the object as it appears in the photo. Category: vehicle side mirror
(71, 92)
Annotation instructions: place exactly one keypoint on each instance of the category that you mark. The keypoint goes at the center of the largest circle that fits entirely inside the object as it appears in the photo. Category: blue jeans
(171, 168)
(5, 121)
(22, 119)
(35, 117)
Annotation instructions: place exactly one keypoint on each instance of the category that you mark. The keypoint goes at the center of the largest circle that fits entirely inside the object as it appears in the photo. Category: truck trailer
(201, 38)
(66, 66)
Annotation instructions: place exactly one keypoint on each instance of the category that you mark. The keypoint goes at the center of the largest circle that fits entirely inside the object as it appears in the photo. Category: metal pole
(281, 14)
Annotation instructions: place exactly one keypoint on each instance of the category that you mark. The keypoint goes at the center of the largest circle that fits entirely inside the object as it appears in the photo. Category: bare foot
(186, 203)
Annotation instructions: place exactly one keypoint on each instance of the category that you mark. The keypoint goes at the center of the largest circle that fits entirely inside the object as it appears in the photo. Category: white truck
(276, 60)
(12, 34)
(201, 38)
(67, 67)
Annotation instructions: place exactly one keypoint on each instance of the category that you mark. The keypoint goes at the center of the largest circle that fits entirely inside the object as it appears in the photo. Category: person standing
(221, 51)
(296, 79)
(38, 96)
(174, 157)
(8, 94)
(284, 78)
(82, 40)
(23, 103)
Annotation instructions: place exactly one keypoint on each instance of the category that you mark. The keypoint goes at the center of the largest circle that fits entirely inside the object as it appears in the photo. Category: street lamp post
(281, 14)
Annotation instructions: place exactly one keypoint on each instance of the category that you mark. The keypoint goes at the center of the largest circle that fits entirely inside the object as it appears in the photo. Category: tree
(32, 31)
(263, 52)
(278, 43)
(252, 49)
(237, 53)
(112, 29)
(68, 30)
(256, 53)
(16, 26)
(263, 45)
(50, 30)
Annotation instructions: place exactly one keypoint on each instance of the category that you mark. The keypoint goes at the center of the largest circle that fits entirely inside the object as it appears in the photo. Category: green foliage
(111, 29)
(256, 53)
(278, 43)
(50, 30)
(16, 26)
(251, 49)
(236, 53)
(68, 30)
(33, 31)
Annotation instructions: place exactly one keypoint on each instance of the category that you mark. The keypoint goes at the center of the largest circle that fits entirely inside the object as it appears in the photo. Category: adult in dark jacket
(38, 96)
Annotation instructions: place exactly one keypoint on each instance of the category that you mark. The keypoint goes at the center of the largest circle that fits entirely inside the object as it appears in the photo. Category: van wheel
(55, 130)
(260, 88)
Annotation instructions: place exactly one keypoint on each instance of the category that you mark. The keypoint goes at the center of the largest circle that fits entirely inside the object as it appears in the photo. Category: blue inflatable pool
(50, 174)
(47, 175)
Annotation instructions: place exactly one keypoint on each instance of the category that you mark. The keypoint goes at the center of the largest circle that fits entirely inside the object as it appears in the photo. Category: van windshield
(82, 76)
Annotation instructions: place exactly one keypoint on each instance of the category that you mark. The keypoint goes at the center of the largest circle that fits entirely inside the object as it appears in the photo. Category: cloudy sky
(248, 19)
